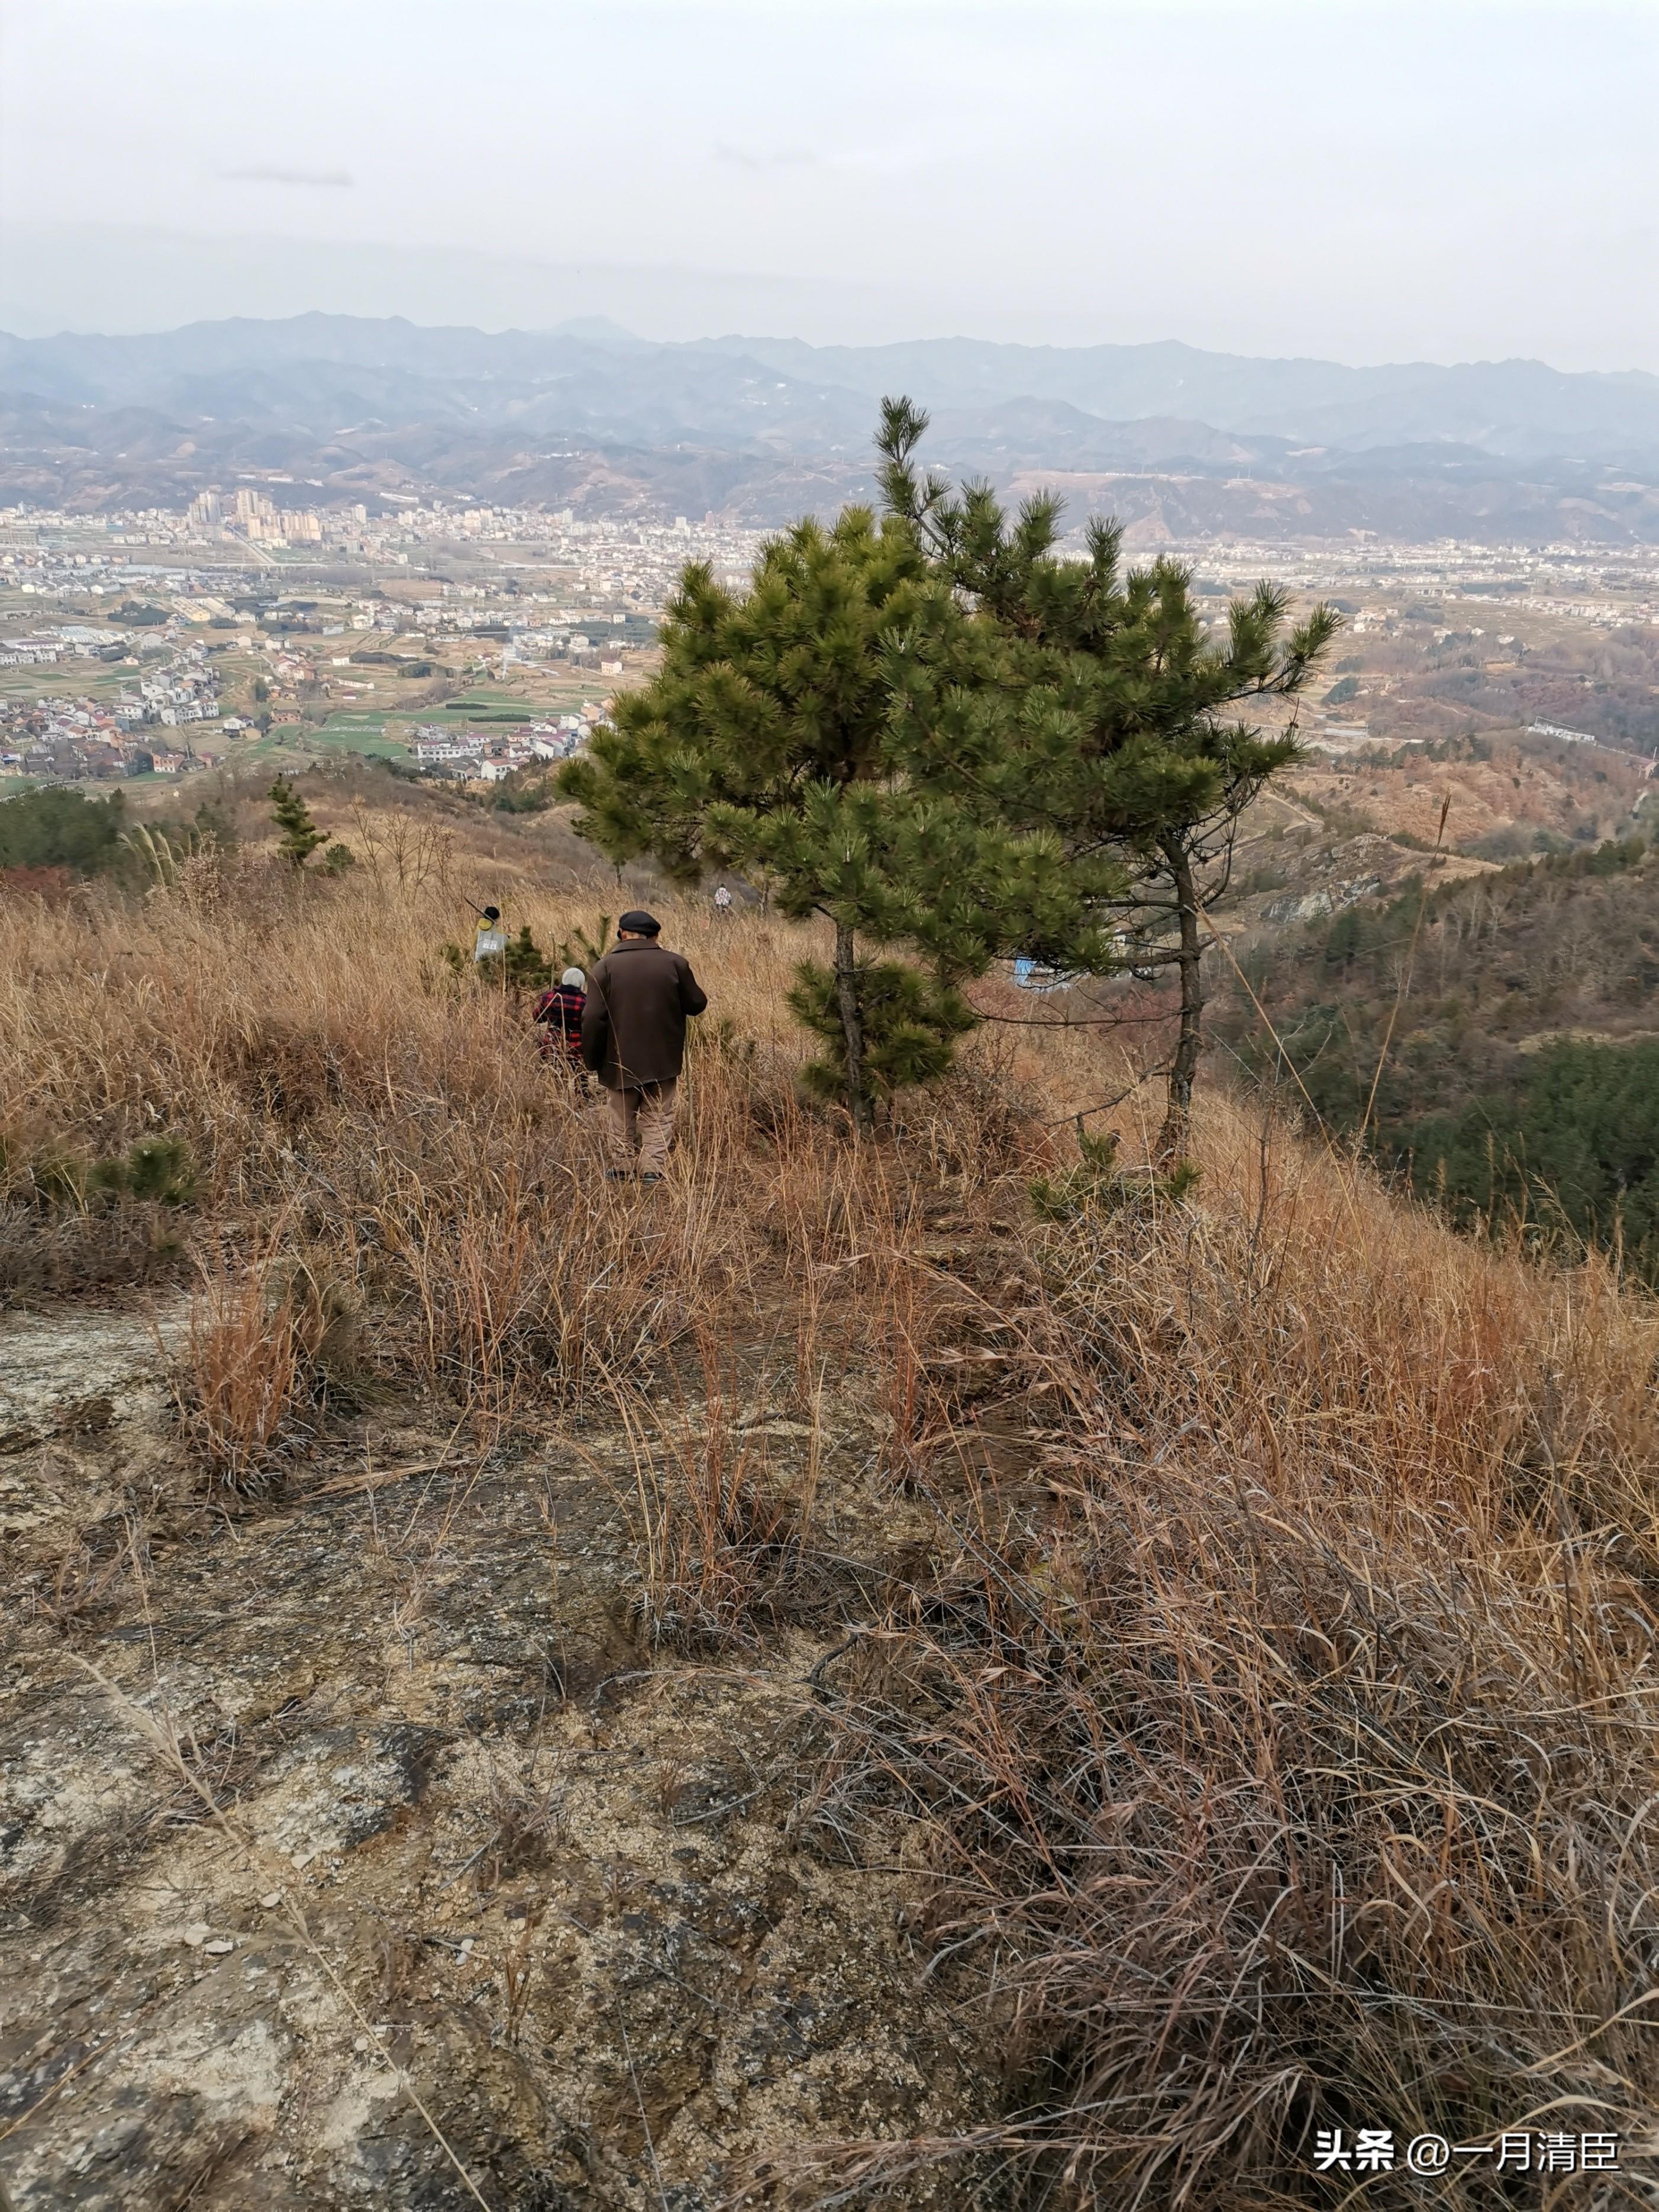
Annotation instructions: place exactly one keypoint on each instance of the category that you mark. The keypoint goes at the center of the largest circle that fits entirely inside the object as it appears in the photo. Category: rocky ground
(356, 1850)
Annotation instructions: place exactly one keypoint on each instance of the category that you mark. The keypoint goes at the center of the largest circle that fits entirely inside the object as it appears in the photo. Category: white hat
(575, 975)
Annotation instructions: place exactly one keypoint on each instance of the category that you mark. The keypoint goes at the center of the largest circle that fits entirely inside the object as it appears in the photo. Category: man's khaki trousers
(640, 1120)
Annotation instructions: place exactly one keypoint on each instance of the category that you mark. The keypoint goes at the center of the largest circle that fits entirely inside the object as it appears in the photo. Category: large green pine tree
(1093, 706)
(763, 745)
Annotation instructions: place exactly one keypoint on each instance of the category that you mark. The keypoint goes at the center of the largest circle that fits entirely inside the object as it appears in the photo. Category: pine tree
(1094, 706)
(301, 836)
(525, 966)
(764, 745)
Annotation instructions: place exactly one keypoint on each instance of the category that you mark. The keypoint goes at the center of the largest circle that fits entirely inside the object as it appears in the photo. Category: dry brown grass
(329, 1075)
(721, 1537)
(1295, 1766)
(1248, 1603)
(238, 1381)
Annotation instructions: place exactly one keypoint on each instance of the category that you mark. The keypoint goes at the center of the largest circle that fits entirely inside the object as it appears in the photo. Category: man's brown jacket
(634, 1023)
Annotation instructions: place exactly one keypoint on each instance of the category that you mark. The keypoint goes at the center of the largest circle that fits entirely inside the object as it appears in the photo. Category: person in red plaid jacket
(559, 1013)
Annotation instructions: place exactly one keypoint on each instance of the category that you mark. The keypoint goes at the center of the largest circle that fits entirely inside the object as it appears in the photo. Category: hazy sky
(1366, 181)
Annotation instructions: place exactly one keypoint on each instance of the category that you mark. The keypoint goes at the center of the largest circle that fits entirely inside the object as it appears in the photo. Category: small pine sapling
(525, 966)
(579, 949)
(911, 1023)
(299, 834)
(1098, 1185)
(159, 1169)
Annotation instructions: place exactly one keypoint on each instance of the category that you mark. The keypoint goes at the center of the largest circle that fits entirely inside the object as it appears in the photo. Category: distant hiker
(639, 998)
(489, 938)
(558, 1013)
(722, 902)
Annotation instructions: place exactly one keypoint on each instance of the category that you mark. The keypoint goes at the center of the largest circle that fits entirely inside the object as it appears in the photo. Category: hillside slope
(831, 1676)
(1493, 1038)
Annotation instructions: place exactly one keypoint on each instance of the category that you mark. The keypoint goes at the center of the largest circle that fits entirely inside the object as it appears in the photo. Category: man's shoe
(651, 1178)
(618, 1174)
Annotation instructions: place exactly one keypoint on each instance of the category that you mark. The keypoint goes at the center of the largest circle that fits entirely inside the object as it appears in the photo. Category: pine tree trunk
(852, 1025)
(1172, 1137)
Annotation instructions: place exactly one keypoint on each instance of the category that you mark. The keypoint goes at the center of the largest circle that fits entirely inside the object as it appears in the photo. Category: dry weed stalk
(241, 1375)
(719, 1536)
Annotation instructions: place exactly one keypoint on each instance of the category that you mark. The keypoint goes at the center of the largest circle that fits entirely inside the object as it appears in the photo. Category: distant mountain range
(1179, 440)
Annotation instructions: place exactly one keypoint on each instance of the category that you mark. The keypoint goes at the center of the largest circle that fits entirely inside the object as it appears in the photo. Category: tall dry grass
(1243, 1608)
(1294, 1766)
(328, 1073)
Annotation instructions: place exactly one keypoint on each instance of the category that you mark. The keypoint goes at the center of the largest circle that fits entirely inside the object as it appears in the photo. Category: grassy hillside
(1499, 1031)
(1075, 1701)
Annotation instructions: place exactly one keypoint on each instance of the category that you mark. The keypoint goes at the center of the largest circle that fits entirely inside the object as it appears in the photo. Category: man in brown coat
(639, 998)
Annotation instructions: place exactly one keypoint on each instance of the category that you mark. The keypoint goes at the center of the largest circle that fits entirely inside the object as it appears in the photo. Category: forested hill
(1523, 1072)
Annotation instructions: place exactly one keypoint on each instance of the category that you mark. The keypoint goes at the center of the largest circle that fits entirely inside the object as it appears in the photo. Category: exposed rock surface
(477, 1848)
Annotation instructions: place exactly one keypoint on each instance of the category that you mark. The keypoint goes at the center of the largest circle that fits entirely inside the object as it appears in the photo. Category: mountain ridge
(1518, 408)
(589, 415)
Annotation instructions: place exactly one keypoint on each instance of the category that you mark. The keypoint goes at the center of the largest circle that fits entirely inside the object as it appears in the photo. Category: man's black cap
(639, 923)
